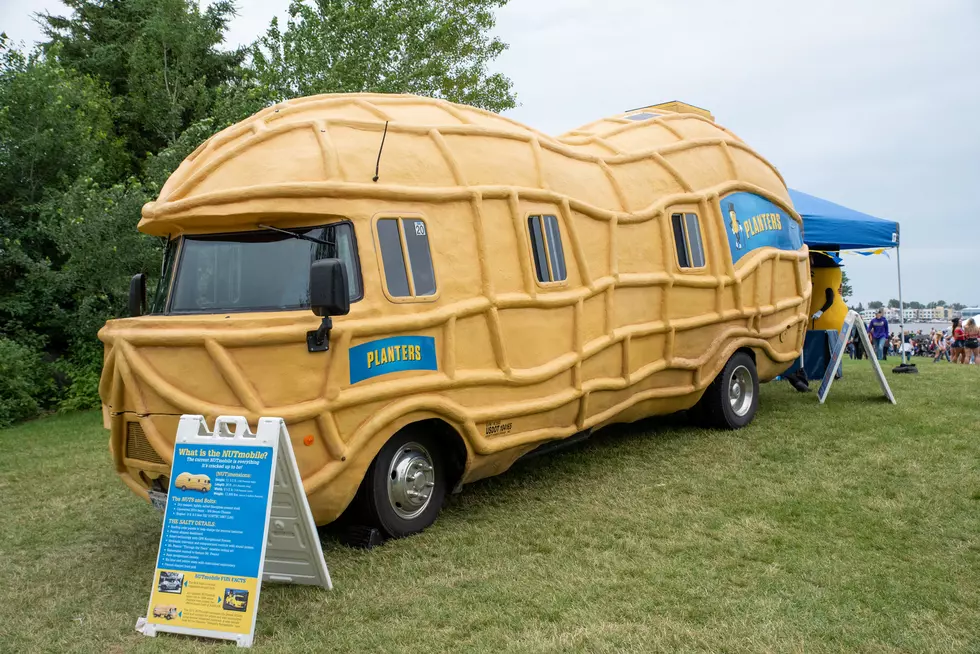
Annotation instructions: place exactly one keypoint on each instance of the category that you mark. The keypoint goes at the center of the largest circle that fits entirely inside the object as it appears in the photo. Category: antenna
(378, 164)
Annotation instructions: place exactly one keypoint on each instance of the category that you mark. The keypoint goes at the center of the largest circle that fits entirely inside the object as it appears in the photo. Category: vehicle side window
(406, 257)
(687, 239)
(546, 248)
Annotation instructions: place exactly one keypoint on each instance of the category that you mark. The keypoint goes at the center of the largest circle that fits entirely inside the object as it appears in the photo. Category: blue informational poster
(752, 222)
(214, 529)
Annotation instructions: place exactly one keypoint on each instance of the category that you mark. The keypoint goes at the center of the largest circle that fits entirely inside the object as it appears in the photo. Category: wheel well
(450, 439)
(748, 351)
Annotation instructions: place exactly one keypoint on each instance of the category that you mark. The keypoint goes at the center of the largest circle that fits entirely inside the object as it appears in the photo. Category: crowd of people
(958, 344)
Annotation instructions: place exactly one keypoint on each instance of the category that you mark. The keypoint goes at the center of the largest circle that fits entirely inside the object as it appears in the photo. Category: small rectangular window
(419, 257)
(414, 276)
(694, 240)
(687, 240)
(546, 248)
(677, 221)
(393, 258)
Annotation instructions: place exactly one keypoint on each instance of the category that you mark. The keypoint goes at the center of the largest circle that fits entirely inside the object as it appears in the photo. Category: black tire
(381, 507)
(716, 408)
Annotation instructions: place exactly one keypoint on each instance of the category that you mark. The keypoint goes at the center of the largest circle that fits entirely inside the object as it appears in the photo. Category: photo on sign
(168, 611)
(171, 582)
(236, 599)
(186, 481)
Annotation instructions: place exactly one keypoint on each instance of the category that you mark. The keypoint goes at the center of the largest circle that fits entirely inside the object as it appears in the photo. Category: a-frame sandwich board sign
(851, 322)
(236, 515)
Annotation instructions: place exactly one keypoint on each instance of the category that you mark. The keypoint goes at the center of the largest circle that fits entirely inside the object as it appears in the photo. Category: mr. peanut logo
(736, 229)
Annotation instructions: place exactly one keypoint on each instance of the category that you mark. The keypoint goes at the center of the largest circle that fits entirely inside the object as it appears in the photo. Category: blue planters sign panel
(394, 354)
(753, 222)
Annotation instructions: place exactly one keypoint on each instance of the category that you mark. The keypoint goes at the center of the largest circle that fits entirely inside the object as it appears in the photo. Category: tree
(859, 308)
(438, 48)
(893, 304)
(875, 305)
(55, 124)
(845, 286)
(914, 305)
(940, 303)
(956, 306)
(159, 59)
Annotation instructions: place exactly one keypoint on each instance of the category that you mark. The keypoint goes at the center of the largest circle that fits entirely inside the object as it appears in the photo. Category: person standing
(959, 336)
(971, 342)
(878, 331)
(939, 346)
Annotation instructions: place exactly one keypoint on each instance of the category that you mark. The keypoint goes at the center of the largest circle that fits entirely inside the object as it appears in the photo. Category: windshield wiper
(311, 239)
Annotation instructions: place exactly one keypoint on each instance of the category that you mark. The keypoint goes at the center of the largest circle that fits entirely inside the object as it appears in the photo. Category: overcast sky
(873, 104)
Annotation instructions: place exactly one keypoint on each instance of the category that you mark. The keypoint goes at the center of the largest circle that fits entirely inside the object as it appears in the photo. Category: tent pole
(901, 303)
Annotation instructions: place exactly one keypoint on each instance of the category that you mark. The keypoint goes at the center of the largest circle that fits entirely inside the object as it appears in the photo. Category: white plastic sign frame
(291, 553)
(852, 321)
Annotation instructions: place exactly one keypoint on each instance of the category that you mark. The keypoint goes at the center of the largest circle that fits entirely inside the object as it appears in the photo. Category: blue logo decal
(392, 355)
(752, 222)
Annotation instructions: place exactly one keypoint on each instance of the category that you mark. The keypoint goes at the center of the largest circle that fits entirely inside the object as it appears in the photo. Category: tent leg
(901, 303)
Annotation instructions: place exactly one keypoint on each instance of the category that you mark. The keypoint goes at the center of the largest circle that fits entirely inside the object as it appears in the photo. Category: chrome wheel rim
(740, 391)
(411, 478)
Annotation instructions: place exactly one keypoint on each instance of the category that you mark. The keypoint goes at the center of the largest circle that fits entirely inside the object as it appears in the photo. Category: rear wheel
(405, 486)
(732, 399)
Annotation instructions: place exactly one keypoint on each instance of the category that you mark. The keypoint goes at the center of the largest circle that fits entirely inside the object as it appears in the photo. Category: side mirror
(329, 291)
(329, 296)
(137, 295)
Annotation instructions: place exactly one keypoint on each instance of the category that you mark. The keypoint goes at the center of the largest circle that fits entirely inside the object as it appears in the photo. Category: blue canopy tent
(830, 227)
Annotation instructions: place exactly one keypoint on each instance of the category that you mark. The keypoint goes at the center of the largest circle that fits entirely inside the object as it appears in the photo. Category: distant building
(868, 314)
(927, 314)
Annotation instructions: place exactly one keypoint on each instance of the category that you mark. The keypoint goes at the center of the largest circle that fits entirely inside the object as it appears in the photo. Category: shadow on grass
(550, 472)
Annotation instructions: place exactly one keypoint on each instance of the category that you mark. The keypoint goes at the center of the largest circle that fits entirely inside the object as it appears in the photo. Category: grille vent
(137, 447)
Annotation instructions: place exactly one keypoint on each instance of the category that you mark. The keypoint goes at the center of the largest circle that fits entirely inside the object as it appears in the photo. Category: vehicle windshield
(258, 271)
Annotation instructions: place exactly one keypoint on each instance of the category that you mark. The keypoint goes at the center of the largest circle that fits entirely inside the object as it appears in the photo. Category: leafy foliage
(55, 124)
(159, 59)
(438, 48)
(25, 381)
(845, 286)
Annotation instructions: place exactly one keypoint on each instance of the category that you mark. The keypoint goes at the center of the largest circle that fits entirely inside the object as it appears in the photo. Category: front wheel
(732, 399)
(405, 486)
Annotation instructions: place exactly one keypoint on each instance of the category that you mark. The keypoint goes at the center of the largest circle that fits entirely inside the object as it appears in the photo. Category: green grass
(851, 526)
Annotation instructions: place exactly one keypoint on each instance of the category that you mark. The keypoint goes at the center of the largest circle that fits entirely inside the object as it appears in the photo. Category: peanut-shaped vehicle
(188, 481)
(426, 291)
(168, 611)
